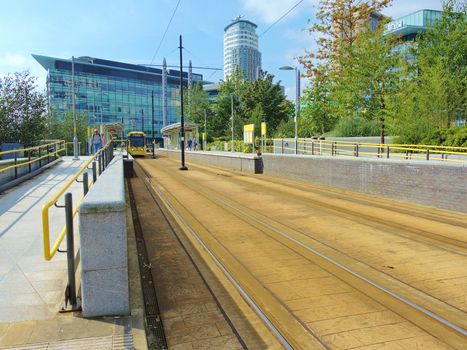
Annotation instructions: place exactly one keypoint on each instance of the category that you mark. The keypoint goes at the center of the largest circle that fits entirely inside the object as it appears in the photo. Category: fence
(27, 160)
(98, 163)
(363, 149)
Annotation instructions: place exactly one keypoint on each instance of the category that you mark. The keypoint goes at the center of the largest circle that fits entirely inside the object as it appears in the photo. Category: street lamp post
(297, 99)
(232, 116)
(75, 138)
(205, 133)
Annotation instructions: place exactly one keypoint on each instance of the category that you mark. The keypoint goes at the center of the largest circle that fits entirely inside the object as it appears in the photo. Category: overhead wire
(165, 32)
(280, 18)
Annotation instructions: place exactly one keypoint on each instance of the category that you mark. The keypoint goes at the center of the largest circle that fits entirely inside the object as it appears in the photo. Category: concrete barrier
(248, 163)
(8, 178)
(431, 183)
(103, 237)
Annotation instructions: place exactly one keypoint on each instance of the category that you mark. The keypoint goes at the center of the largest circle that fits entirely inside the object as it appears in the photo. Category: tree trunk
(382, 131)
(381, 119)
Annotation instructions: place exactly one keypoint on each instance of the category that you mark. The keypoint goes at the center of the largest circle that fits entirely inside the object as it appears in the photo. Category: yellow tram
(136, 143)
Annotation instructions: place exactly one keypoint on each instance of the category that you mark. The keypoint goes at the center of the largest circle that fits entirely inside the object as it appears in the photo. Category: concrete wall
(436, 184)
(9, 175)
(248, 163)
(103, 238)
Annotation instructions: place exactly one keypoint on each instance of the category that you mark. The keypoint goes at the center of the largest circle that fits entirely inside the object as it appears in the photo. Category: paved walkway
(30, 287)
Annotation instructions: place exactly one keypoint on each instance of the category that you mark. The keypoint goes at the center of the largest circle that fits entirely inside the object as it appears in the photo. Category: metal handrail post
(16, 168)
(40, 159)
(85, 183)
(29, 160)
(99, 162)
(427, 154)
(94, 172)
(357, 146)
(312, 148)
(387, 153)
(70, 293)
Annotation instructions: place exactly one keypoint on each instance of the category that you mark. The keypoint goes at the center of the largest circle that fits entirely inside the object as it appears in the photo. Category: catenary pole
(75, 138)
(153, 139)
(232, 117)
(182, 119)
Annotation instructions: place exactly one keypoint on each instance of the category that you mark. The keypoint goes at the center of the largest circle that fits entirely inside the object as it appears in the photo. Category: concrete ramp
(30, 287)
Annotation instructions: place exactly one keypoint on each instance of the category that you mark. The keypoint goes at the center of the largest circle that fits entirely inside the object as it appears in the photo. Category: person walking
(104, 139)
(95, 142)
(189, 144)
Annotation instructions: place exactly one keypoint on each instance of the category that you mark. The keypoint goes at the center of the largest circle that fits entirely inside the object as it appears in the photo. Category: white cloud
(11, 62)
(269, 11)
(10, 59)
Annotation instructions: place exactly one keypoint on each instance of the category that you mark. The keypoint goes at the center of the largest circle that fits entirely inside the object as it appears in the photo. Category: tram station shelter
(171, 134)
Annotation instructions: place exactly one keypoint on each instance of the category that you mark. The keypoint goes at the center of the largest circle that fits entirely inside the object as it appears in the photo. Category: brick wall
(441, 185)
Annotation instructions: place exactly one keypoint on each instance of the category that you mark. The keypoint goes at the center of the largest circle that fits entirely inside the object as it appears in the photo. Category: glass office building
(409, 26)
(109, 92)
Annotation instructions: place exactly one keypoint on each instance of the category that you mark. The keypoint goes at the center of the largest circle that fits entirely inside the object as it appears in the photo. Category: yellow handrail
(49, 253)
(376, 144)
(339, 147)
(33, 147)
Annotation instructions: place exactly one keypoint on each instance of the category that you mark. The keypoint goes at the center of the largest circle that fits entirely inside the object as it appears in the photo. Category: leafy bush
(355, 127)
(455, 136)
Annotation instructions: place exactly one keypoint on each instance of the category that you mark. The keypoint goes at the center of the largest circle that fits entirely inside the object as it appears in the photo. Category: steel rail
(287, 343)
(362, 200)
(231, 278)
(424, 311)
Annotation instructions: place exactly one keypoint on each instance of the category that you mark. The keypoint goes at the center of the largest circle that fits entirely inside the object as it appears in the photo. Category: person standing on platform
(95, 142)
(189, 143)
(104, 139)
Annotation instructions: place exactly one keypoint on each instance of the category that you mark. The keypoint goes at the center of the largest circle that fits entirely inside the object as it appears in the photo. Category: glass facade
(109, 92)
(241, 48)
(407, 27)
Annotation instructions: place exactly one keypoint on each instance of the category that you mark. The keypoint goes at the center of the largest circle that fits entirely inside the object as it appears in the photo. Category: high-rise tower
(241, 48)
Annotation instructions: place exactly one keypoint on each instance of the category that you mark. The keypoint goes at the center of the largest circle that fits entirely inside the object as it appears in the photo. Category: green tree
(318, 117)
(369, 78)
(22, 109)
(337, 28)
(434, 94)
(63, 129)
(231, 92)
(196, 103)
(263, 101)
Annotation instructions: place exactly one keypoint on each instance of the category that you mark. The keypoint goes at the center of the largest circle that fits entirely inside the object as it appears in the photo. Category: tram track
(438, 318)
(268, 308)
(301, 193)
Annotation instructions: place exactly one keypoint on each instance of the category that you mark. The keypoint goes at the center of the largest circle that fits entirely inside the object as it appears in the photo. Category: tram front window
(137, 141)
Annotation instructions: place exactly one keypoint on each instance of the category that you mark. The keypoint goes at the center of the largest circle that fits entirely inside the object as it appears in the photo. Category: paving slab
(41, 326)
(32, 288)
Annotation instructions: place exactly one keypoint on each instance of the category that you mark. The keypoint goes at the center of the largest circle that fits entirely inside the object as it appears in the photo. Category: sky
(131, 30)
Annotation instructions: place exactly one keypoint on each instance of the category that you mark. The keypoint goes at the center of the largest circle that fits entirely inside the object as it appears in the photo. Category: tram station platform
(232, 259)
